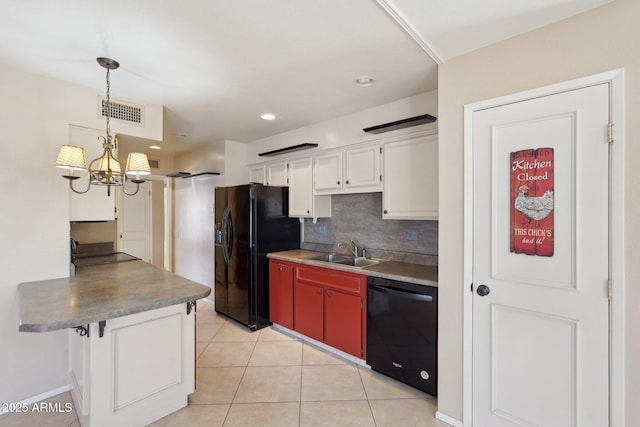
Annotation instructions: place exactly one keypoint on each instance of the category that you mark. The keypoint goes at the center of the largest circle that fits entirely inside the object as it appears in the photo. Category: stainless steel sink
(329, 257)
(346, 260)
(359, 262)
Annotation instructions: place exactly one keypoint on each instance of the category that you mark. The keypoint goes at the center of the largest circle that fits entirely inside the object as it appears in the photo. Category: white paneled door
(134, 221)
(540, 261)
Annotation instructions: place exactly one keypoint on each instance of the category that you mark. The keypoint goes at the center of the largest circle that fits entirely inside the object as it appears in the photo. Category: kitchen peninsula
(131, 343)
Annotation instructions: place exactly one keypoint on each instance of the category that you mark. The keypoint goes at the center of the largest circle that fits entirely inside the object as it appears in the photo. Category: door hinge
(610, 289)
(610, 133)
(380, 150)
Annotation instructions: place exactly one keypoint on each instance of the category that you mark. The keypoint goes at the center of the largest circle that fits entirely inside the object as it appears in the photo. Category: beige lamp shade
(137, 164)
(107, 162)
(105, 170)
(71, 157)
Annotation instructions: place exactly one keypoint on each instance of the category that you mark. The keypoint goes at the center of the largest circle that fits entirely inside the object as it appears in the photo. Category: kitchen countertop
(414, 273)
(102, 292)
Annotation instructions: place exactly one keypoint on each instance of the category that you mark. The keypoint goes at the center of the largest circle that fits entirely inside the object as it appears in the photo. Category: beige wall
(193, 215)
(600, 40)
(34, 214)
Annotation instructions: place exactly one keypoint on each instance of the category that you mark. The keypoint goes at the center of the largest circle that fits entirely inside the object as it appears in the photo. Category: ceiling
(216, 65)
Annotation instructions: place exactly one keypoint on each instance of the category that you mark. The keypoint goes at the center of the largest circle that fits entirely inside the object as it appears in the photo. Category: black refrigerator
(250, 220)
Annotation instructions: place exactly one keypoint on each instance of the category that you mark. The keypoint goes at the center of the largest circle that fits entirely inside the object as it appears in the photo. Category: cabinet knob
(279, 268)
(328, 294)
(308, 211)
(338, 182)
(347, 181)
(386, 211)
(319, 291)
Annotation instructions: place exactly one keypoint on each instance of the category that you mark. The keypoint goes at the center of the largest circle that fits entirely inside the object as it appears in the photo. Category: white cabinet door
(327, 170)
(141, 370)
(277, 174)
(300, 188)
(94, 205)
(410, 179)
(257, 174)
(362, 169)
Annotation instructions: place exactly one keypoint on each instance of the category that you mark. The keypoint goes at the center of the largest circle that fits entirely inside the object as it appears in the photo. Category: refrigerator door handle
(227, 234)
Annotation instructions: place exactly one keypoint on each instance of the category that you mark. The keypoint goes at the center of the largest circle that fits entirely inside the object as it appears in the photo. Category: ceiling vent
(154, 164)
(126, 112)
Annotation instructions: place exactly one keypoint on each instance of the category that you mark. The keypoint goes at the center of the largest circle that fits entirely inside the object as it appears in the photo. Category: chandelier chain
(108, 106)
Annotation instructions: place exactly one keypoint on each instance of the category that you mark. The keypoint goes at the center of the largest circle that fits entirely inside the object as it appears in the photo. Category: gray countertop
(102, 292)
(415, 273)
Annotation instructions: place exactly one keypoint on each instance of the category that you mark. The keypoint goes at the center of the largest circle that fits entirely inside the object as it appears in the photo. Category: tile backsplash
(358, 217)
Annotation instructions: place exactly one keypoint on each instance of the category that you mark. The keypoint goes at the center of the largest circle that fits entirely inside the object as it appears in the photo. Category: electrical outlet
(322, 229)
(412, 234)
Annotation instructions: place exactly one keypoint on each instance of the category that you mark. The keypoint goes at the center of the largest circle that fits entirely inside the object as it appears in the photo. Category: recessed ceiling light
(364, 81)
(154, 147)
(267, 116)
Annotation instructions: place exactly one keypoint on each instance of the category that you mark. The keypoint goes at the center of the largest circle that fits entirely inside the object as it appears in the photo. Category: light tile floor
(267, 378)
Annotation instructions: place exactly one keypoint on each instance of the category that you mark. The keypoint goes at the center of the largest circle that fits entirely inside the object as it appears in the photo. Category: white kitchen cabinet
(362, 169)
(351, 170)
(327, 170)
(94, 205)
(302, 202)
(410, 179)
(257, 174)
(277, 174)
(140, 370)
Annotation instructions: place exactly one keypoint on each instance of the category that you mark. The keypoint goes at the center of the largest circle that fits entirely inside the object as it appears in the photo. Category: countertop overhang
(100, 293)
(414, 273)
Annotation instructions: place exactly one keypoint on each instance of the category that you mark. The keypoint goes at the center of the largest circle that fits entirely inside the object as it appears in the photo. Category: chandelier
(105, 170)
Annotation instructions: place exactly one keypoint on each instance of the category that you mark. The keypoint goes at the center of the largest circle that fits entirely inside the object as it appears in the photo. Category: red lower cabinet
(343, 322)
(308, 309)
(322, 303)
(281, 293)
(329, 307)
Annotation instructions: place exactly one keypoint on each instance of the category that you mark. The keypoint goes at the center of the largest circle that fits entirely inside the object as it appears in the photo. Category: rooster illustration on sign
(534, 208)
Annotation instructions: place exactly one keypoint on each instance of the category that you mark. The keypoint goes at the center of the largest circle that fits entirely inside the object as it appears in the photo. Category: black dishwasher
(402, 332)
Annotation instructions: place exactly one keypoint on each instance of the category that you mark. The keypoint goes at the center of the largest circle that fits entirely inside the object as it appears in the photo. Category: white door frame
(168, 219)
(615, 79)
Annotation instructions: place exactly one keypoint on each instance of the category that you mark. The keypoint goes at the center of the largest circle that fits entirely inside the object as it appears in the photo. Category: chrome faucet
(355, 249)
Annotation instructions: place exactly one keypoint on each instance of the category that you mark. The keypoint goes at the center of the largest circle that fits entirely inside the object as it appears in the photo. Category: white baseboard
(42, 396)
(321, 345)
(449, 420)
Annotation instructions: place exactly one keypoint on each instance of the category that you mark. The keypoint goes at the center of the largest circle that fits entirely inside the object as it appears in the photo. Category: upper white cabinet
(302, 202)
(362, 169)
(351, 170)
(277, 174)
(257, 174)
(410, 179)
(94, 205)
(327, 169)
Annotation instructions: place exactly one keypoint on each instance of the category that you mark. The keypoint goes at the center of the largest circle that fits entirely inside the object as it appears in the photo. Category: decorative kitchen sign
(532, 202)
